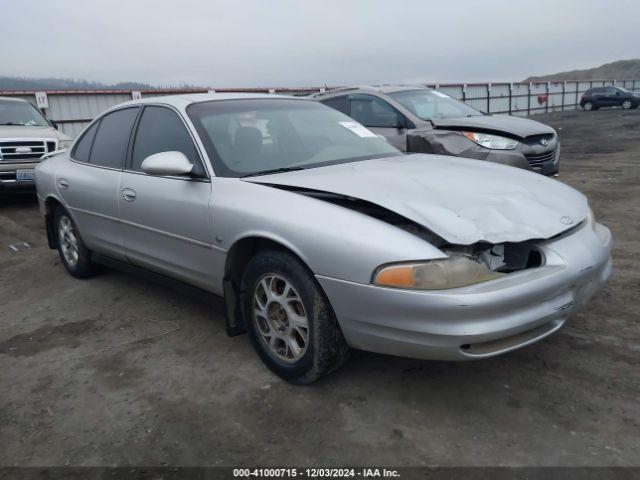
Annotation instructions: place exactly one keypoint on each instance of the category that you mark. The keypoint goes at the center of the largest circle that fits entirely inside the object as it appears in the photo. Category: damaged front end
(455, 143)
(464, 265)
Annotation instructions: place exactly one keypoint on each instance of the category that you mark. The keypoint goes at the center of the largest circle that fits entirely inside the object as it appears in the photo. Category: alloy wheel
(626, 104)
(280, 318)
(68, 241)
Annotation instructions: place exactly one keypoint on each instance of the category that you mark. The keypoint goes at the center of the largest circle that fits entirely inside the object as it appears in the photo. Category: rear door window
(112, 139)
(161, 130)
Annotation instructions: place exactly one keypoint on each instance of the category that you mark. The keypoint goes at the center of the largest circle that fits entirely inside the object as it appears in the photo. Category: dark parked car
(597, 97)
(418, 119)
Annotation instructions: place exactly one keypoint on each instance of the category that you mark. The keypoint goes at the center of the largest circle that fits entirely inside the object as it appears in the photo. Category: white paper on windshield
(440, 94)
(358, 129)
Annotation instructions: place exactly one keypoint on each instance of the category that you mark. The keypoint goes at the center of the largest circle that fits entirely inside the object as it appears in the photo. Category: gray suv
(25, 137)
(418, 119)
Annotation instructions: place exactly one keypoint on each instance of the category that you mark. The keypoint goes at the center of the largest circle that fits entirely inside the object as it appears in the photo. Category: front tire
(588, 106)
(289, 319)
(75, 256)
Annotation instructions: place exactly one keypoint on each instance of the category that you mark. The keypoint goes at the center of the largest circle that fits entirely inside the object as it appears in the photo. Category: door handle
(62, 183)
(128, 194)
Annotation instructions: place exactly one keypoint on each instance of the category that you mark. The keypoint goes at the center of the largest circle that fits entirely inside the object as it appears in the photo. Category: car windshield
(20, 113)
(429, 104)
(257, 136)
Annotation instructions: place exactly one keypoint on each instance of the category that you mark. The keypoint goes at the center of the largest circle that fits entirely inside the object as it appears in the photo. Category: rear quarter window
(82, 149)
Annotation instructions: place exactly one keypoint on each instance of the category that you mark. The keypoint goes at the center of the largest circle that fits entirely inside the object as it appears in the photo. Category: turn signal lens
(435, 274)
(401, 276)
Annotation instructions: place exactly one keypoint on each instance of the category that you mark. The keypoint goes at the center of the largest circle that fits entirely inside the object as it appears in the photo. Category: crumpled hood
(515, 126)
(463, 201)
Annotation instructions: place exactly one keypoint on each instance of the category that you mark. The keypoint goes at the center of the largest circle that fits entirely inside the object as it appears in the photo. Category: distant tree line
(25, 83)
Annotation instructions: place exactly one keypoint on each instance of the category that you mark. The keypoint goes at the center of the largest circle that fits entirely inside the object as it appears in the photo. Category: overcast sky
(306, 43)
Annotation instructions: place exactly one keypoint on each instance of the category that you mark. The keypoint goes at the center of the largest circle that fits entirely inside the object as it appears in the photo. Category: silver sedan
(321, 236)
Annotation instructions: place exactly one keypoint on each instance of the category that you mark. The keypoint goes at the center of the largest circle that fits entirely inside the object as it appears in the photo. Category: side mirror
(167, 163)
(53, 124)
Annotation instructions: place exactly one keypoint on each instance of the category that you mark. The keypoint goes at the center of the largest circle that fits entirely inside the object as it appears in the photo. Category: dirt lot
(118, 371)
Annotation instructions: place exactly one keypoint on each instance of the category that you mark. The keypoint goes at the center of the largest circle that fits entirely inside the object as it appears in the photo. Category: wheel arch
(51, 204)
(237, 259)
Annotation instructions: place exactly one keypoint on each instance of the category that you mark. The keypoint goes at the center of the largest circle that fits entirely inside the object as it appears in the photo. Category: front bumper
(481, 320)
(547, 163)
(8, 179)
(537, 158)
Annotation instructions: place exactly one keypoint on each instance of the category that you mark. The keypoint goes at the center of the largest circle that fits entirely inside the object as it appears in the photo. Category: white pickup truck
(25, 137)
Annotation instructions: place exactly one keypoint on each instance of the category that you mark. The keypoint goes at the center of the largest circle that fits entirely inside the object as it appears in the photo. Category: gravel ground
(118, 371)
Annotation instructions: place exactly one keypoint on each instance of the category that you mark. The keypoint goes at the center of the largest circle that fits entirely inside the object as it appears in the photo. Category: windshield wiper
(273, 170)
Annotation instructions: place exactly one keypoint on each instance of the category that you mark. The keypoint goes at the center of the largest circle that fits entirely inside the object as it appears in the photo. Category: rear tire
(289, 319)
(75, 256)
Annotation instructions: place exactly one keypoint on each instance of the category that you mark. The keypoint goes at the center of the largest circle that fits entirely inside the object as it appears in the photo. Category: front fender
(333, 241)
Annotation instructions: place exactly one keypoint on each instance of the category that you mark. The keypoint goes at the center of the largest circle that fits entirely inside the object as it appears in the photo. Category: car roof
(384, 88)
(184, 100)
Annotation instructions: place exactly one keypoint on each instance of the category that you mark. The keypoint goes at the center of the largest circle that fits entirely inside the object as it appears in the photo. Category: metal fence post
(464, 92)
(529, 101)
(546, 107)
(510, 95)
(564, 88)
(577, 93)
(488, 98)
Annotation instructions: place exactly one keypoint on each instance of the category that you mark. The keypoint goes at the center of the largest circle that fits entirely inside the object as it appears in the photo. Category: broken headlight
(452, 272)
(494, 142)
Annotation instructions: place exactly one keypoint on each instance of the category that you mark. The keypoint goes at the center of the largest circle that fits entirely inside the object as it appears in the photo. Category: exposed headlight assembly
(452, 272)
(494, 142)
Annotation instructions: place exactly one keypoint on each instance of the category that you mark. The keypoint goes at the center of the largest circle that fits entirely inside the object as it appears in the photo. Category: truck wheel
(289, 319)
(75, 256)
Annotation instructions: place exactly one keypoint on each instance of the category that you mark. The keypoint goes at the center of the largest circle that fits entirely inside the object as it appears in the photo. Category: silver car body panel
(489, 318)
(186, 229)
(460, 200)
(175, 239)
